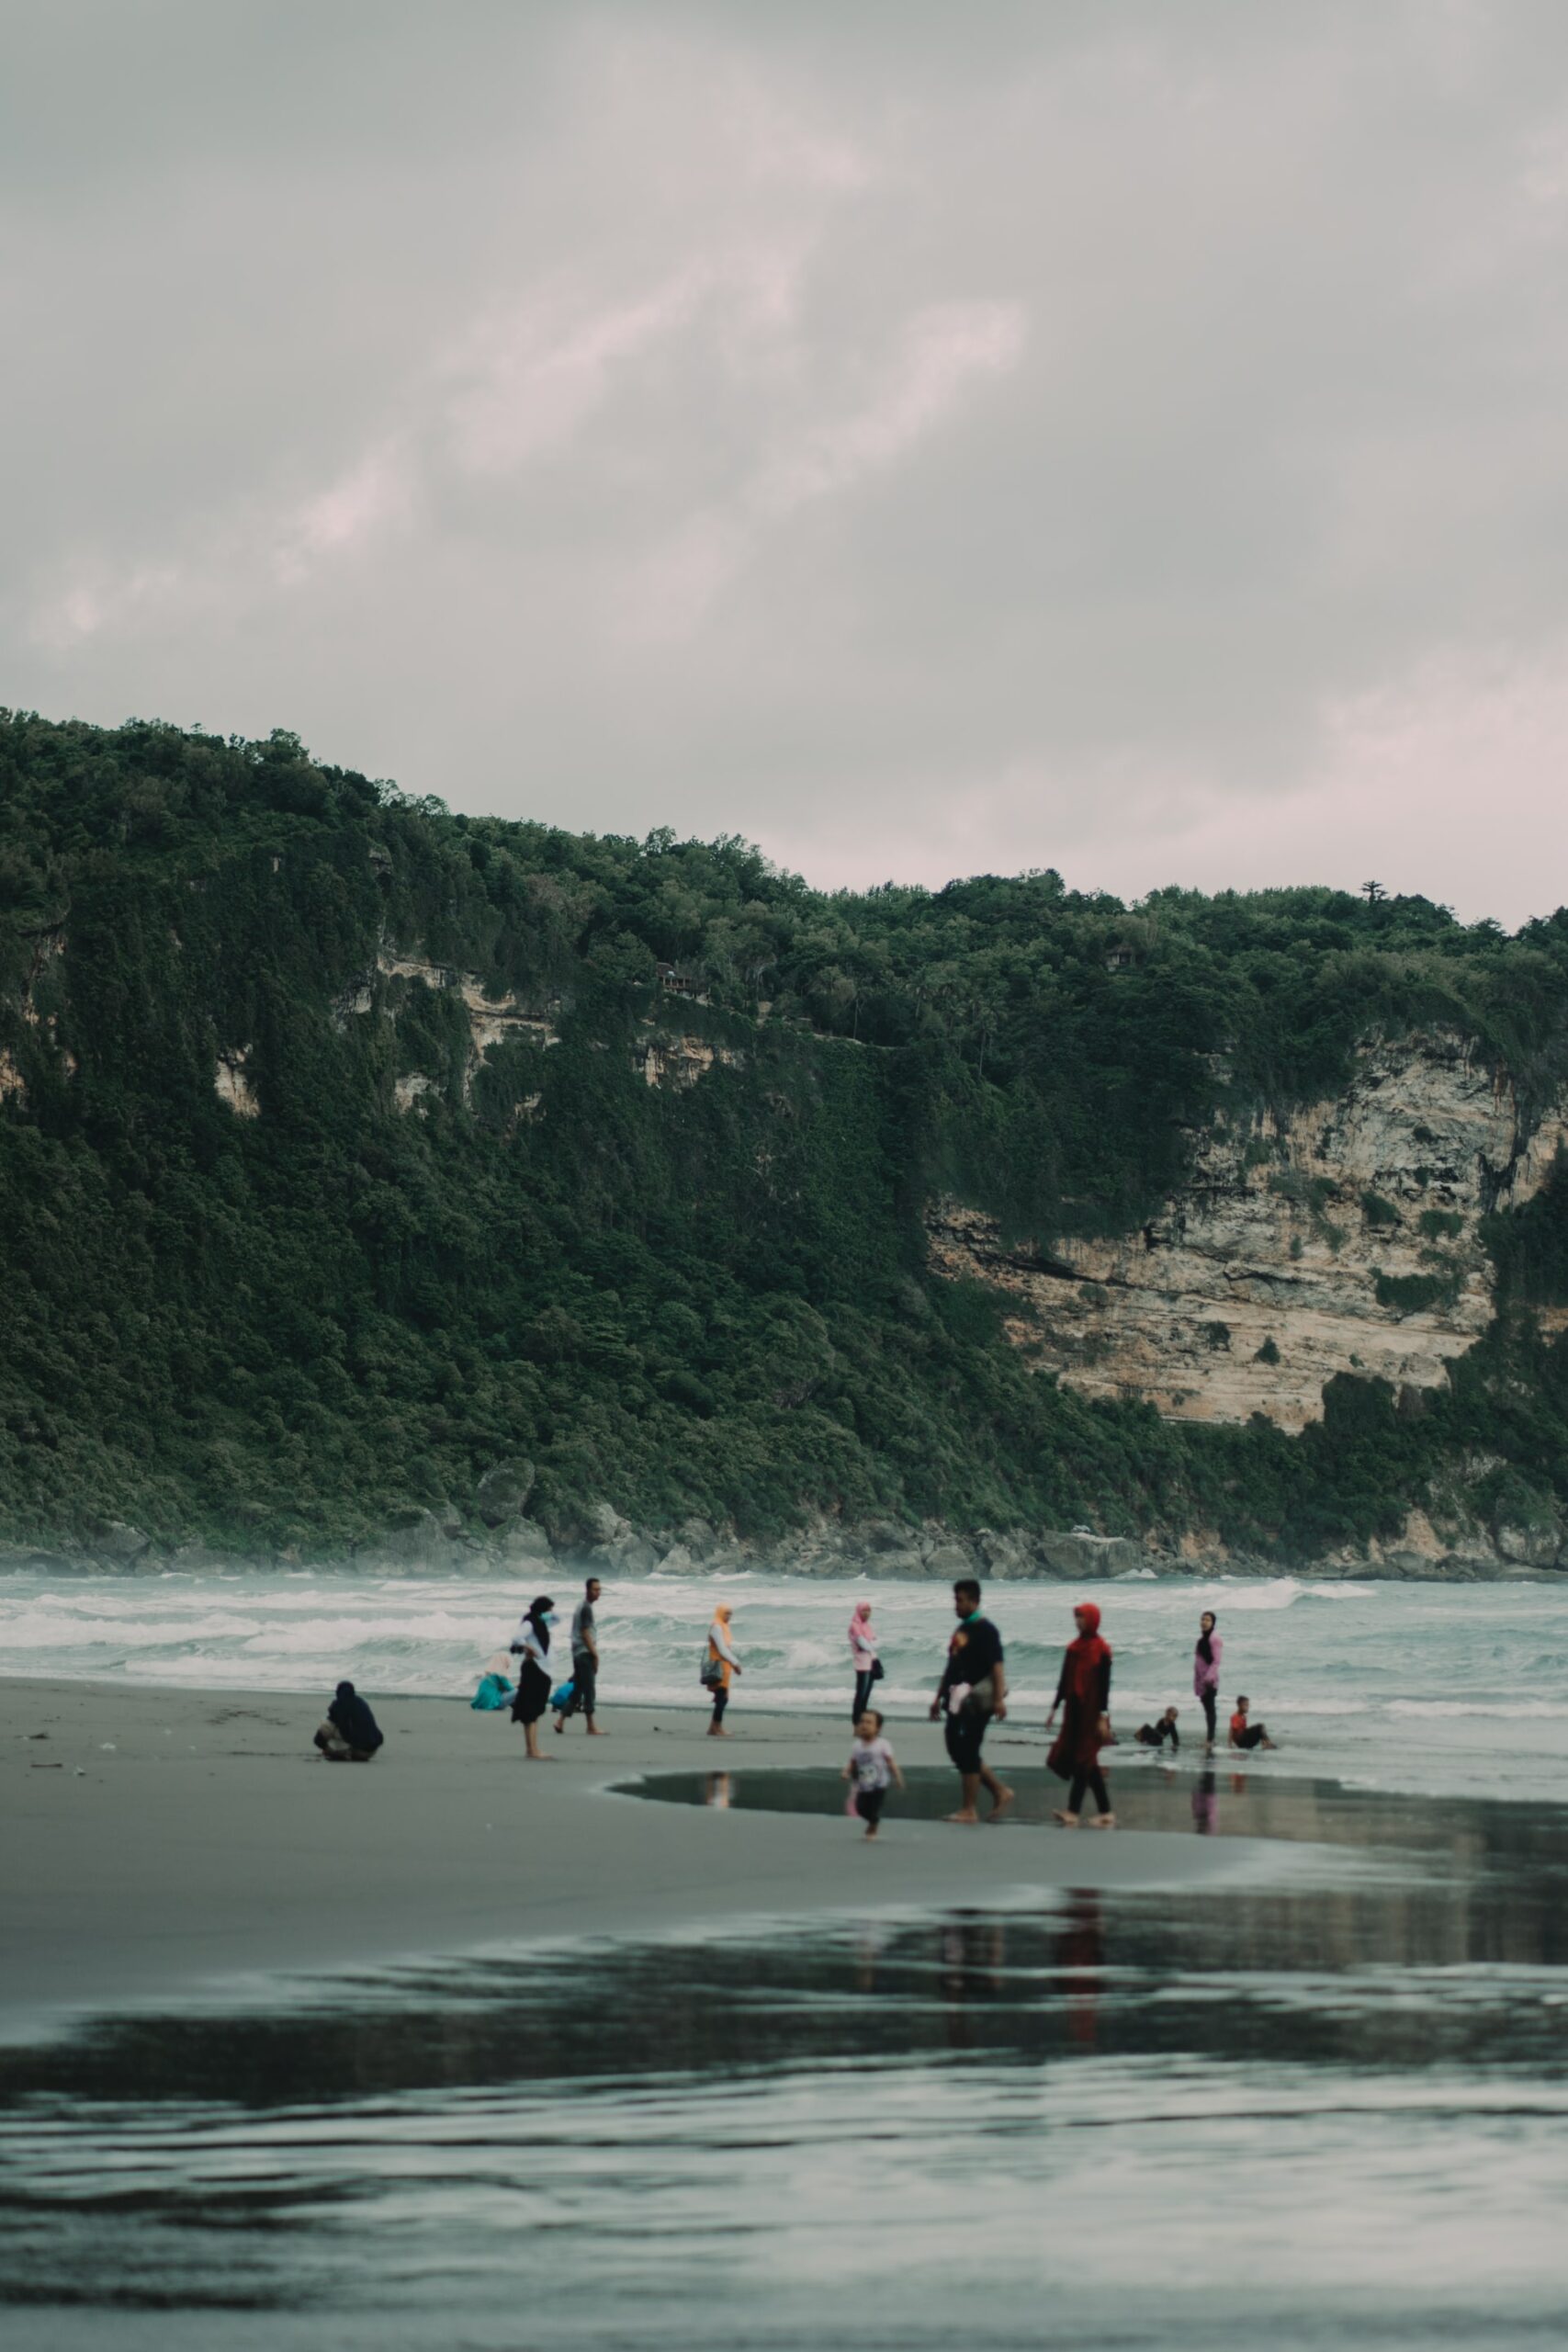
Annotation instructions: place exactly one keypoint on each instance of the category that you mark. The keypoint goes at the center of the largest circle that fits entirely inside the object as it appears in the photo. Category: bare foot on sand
(1067, 1820)
(1004, 1799)
(715, 1732)
(594, 1733)
(1106, 1821)
(968, 1818)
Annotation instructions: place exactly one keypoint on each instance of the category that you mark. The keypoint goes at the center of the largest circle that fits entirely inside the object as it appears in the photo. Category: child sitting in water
(1156, 1735)
(871, 1769)
(1245, 1734)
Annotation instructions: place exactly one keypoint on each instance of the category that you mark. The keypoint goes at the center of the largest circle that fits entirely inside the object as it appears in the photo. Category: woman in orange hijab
(1084, 1692)
(722, 1663)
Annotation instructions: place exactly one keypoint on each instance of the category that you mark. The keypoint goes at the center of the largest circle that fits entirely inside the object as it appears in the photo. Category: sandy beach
(455, 2048)
(157, 1841)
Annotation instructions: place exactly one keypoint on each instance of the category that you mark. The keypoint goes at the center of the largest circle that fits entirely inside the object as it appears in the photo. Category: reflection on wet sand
(1469, 1883)
(812, 2120)
(1493, 1899)
(703, 2102)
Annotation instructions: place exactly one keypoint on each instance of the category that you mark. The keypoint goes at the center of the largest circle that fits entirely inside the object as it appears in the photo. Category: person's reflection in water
(717, 1791)
(1082, 1948)
(973, 1952)
(868, 1953)
(1205, 1806)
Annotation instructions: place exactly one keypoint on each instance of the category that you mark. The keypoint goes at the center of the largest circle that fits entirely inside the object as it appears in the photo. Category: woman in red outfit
(1084, 1694)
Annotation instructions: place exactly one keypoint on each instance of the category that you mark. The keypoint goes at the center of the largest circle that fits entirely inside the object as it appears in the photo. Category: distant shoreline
(1051, 1558)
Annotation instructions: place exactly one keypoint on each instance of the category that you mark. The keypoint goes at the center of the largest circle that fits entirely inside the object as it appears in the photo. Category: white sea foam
(1505, 1709)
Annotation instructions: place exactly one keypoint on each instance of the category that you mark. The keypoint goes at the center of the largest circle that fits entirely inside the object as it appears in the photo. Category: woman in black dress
(531, 1644)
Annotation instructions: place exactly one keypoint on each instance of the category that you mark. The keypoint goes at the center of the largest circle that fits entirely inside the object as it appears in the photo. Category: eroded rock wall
(1343, 1237)
(669, 1057)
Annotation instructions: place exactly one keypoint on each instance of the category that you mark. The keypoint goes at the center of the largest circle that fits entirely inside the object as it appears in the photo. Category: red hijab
(1086, 1656)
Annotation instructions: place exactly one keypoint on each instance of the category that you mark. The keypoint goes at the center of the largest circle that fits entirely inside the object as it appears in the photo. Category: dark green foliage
(1267, 1353)
(1311, 1193)
(1531, 1244)
(298, 1326)
(1415, 1293)
(1380, 1213)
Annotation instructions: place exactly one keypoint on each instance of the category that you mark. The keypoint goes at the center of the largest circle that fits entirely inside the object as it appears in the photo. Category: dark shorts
(963, 1735)
(1248, 1738)
(869, 1803)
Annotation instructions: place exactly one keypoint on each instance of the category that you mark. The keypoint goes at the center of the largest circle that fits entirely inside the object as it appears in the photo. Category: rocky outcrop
(681, 1061)
(1343, 1237)
(424, 1539)
(39, 1003)
(1524, 1526)
(435, 1543)
(524, 1545)
(492, 1019)
(671, 1058)
(502, 1493)
(599, 1538)
(233, 1085)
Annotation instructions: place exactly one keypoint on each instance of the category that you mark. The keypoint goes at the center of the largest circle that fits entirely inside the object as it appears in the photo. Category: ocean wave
(353, 1633)
(1505, 1710)
(55, 1633)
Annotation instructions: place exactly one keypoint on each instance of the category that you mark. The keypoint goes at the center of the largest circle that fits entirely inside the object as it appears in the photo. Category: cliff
(1342, 1236)
(378, 1182)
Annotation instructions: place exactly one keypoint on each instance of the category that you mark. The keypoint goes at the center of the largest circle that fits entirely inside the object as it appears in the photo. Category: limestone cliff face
(492, 1020)
(39, 1007)
(670, 1056)
(1343, 1237)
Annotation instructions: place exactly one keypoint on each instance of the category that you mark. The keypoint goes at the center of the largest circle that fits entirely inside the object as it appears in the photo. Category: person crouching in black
(351, 1734)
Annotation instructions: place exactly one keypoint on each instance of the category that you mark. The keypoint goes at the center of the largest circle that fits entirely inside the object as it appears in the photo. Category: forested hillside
(349, 1147)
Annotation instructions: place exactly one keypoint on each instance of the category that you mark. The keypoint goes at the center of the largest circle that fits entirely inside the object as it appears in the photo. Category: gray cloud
(922, 439)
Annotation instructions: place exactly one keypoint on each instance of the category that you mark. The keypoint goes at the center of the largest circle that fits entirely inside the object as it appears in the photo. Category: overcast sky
(926, 439)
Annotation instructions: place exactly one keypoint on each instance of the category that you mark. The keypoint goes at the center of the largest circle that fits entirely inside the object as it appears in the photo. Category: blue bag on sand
(563, 1694)
(494, 1691)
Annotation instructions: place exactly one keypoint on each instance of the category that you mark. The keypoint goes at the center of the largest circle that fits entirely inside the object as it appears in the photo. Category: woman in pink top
(863, 1652)
(1206, 1669)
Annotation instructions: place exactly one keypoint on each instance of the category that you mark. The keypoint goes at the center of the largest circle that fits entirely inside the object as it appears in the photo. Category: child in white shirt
(871, 1769)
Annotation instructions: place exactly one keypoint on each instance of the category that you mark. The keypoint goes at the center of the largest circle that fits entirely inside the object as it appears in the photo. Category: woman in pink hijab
(863, 1651)
(1206, 1671)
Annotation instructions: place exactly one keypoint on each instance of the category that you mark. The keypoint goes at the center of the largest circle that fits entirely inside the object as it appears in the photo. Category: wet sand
(162, 1842)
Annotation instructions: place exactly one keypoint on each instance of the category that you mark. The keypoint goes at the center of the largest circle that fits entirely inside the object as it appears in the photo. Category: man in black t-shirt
(973, 1689)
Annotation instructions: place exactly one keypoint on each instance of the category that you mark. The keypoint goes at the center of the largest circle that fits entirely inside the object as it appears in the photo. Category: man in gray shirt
(585, 1661)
